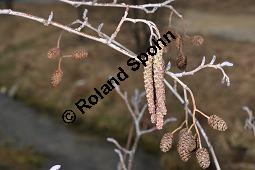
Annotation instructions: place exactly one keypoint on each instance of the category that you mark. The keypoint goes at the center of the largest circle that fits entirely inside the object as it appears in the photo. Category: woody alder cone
(80, 54)
(182, 62)
(166, 142)
(203, 158)
(186, 144)
(53, 53)
(217, 123)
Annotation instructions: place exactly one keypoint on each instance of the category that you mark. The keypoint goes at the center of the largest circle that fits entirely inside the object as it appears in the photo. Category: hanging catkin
(149, 87)
(158, 76)
(155, 88)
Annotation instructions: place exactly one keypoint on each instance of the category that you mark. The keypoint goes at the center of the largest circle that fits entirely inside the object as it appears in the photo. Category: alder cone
(149, 87)
(80, 54)
(166, 142)
(56, 77)
(181, 62)
(217, 123)
(53, 53)
(203, 158)
(186, 144)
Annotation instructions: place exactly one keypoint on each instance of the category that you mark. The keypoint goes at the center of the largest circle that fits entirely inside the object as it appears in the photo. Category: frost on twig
(250, 120)
(211, 64)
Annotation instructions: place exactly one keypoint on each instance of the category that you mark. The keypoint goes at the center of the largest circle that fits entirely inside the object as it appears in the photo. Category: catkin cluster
(155, 88)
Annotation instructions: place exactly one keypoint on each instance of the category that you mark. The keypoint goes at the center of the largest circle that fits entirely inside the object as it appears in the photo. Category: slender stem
(178, 128)
(202, 113)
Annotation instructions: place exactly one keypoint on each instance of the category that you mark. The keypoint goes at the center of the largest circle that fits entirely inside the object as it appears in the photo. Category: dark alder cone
(166, 142)
(149, 88)
(158, 75)
(203, 158)
(53, 53)
(181, 62)
(186, 144)
(217, 123)
(80, 54)
(197, 40)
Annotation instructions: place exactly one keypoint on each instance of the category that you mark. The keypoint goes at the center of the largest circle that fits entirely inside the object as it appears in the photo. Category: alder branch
(144, 7)
(209, 65)
(136, 114)
(66, 28)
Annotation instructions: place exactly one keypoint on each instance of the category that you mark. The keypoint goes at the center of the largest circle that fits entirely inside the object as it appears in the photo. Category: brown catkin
(181, 62)
(186, 144)
(203, 158)
(149, 88)
(53, 53)
(158, 75)
(166, 142)
(197, 40)
(56, 77)
(217, 123)
(80, 54)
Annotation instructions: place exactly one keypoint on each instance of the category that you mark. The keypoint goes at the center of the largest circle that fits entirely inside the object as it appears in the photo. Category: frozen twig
(148, 8)
(209, 65)
(137, 114)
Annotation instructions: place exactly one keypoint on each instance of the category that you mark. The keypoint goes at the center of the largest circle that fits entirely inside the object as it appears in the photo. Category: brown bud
(181, 62)
(197, 40)
(217, 123)
(53, 53)
(166, 142)
(80, 54)
(186, 144)
(203, 158)
(56, 77)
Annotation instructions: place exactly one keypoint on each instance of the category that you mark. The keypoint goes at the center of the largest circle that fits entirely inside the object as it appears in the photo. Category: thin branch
(148, 8)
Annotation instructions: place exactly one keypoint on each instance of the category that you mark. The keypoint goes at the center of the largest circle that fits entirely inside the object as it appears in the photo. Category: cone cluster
(155, 88)
(187, 144)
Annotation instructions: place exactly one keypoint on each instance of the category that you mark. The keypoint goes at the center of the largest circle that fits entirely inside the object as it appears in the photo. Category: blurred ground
(228, 29)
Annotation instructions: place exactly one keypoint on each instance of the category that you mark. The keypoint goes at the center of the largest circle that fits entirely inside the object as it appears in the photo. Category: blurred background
(32, 133)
